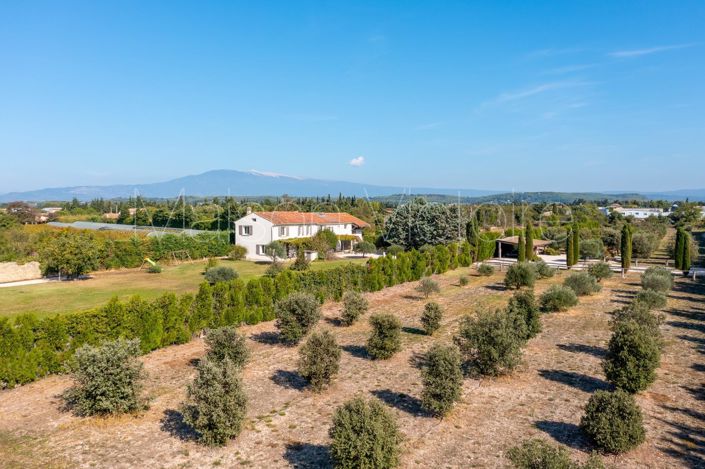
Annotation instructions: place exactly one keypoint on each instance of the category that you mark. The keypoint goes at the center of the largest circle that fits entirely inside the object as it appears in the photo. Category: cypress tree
(521, 253)
(626, 247)
(576, 243)
(678, 252)
(685, 266)
(529, 242)
(569, 249)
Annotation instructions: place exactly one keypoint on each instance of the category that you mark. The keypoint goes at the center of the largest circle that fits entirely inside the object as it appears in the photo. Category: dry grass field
(288, 424)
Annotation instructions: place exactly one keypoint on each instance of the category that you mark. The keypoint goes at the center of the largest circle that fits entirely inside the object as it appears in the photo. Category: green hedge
(31, 348)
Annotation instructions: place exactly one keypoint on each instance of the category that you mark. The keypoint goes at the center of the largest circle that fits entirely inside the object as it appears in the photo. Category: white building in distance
(256, 230)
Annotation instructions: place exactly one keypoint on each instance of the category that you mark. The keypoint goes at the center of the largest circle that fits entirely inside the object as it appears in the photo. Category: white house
(256, 230)
(638, 213)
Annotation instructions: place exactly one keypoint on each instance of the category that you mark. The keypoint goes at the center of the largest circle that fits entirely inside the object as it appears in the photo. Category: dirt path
(288, 425)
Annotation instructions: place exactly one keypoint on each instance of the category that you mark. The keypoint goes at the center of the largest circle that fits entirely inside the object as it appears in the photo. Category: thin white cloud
(569, 69)
(629, 53)
(357, 161)
(551, 52)
(528, 92)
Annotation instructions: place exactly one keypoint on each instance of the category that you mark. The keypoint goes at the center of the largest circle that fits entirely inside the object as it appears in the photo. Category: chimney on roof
(249, 210)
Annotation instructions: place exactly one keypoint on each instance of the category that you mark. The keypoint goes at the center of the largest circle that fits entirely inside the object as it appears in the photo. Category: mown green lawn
(61, 297)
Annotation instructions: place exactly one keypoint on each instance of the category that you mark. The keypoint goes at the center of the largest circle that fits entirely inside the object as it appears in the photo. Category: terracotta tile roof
(311, 218)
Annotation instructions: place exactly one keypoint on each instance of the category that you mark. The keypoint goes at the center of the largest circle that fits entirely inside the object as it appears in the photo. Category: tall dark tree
(685, 265)
(569, 261)
(521, 249)
(529, 248)
(626, 247)
(576, 243)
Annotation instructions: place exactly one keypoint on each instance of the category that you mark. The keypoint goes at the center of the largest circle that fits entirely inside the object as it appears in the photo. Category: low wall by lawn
(14, 272)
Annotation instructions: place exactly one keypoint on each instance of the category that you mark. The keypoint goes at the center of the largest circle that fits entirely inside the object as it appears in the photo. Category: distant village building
(256, 230)
(638, 213)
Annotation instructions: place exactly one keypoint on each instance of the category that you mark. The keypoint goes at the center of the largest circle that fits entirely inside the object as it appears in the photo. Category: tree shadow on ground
(688, 325)
(417, 360)
(413, 297)
(357, 351)
(402, 401)
(413, 330)
(577, 380)
(568, 434)
(289, 380)
(697, 392)
(691, 287)
(496, 287)
(267, 338)
(308, 456)
(686, 442)
(593, 350)
(337, 322)
(173, 424)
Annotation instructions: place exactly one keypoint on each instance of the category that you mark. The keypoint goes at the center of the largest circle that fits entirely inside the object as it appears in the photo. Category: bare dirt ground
(288, 425)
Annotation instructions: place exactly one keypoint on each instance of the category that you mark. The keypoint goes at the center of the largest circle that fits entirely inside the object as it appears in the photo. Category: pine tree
(529, 242)
(576, 243)
(521, 253)
(569, 249)
(626, 247)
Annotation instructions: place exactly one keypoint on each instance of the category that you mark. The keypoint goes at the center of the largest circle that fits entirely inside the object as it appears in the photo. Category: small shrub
(633, 354)
(296, 315)
(216, 402)
(300, 264)
(224, 343)
(319, 360)
(107, 379)
(658, 279)
(431, 317)
(154, 269)
(582, 283)
(365, 247)
(557, 298)
(639, 313)
(237, 253)
(521, 274)
(489, 342)
(523, 304)
(354, 306)
(463, 280)
(538, 454)
(364, 434)
(274, 269)
(543, 270)
(442, 379)
(394, 250)
(210, 263)
(592, 249)
(385, 340)
(652, 299)
(613, 421)
(485, 270)
(220, 274)
(428, 286)
(600, 270)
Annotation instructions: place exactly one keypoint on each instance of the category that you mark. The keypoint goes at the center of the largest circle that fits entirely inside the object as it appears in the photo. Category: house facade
(256, 230)
(637, 213)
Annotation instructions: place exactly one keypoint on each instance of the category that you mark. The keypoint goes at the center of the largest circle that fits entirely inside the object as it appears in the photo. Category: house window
(307, 230)
(283, 231)
(260, 249)
(245, 230)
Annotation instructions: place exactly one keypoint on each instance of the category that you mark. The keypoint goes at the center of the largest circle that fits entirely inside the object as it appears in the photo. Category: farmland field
(287, 424)
(62, 297)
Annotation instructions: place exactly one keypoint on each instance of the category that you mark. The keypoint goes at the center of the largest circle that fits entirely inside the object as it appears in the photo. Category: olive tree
(319, 360)
(296, 315)
(442, 379)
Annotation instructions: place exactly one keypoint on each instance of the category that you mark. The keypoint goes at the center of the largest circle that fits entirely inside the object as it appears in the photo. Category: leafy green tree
(519, 275)
(613, 421)
(69, 254)
(489, 342)
(600, 270)
(538, 454)
(582, 283)
(592, 249)
(385, 339)
(431, 317)
(108, 379)
(364, 435)
(220, 274)
(319, 360)
(678, 251)
(652, 299)
(225, 343)
(216, 402)
(657, 278)
(365, 247)
(354, 306)
(523, 304)
(427, 286)
(633, 354)
(557, 298)
(296, 315)
(576, 243)
(442, 379)
(275, 250)
(569, 260)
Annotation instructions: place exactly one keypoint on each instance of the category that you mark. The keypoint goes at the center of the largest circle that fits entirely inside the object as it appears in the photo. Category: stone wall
(13, 272)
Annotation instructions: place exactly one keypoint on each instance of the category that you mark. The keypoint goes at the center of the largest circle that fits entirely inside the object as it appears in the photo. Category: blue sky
(569, 96)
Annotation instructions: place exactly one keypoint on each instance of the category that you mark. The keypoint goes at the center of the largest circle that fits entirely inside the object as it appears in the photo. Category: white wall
(261, 235)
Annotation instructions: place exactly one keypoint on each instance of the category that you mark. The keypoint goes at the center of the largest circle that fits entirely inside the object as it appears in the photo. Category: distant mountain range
(256, 183)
